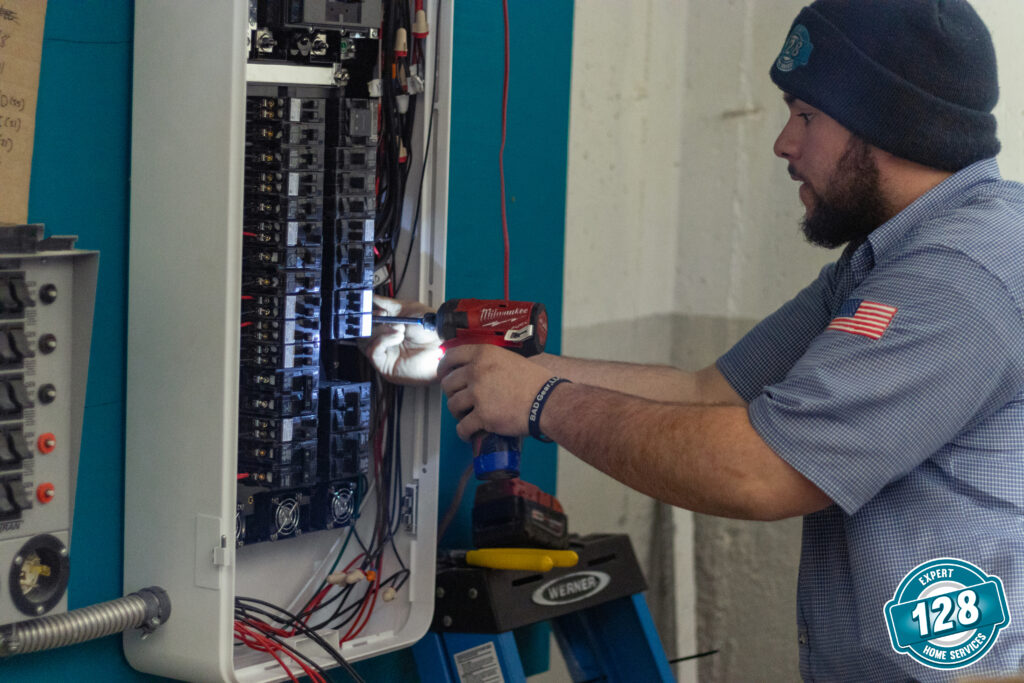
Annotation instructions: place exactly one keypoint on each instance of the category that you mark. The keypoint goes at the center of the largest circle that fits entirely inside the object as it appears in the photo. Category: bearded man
(884, 403)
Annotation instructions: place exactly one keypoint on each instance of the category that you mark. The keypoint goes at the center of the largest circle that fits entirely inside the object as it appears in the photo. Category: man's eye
(806, 117)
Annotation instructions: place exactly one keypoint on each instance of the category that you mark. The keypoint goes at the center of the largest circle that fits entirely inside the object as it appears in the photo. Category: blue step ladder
(614, 641)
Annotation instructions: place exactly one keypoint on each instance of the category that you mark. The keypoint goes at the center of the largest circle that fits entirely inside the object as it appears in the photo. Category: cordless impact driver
(519, 326)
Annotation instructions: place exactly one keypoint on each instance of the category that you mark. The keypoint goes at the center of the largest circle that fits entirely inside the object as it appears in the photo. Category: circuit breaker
(262, 453)
(47, 292)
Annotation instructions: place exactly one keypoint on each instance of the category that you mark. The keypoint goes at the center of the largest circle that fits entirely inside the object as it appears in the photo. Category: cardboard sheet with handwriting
(21, 46)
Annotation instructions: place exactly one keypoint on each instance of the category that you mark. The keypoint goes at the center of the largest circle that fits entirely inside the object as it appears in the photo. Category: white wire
(321, 568)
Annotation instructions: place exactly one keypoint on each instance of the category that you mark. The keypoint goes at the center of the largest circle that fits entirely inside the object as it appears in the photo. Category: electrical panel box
(47, 292)
(263, 454)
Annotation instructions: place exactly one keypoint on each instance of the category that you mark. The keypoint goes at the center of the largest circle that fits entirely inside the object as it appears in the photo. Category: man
(885, 402)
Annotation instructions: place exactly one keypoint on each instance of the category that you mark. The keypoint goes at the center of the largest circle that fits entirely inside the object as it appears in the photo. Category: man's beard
(852, 204)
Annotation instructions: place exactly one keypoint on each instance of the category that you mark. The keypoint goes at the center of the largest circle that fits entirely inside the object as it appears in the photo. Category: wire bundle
(397, 114)
(347, 602)
(340, 604)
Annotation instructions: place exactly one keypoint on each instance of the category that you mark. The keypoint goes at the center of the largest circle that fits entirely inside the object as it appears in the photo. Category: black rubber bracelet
(538, 406)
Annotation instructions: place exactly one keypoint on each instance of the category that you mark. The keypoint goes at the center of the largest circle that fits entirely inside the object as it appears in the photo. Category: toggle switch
(48, 293)
(48, 343)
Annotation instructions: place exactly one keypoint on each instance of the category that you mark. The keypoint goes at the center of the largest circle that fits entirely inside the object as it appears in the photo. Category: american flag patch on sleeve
(866, 318)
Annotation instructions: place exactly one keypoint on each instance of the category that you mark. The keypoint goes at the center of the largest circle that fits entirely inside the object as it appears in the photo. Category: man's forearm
(703, 458)
(654, 382)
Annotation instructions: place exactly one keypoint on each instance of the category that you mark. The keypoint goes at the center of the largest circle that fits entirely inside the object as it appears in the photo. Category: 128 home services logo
(946, 613)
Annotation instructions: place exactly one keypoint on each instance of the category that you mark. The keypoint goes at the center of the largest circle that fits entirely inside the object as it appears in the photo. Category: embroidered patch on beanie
(797, 50)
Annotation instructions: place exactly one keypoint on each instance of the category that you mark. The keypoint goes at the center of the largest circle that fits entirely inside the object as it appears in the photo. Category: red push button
(46, 442)
(45, 492)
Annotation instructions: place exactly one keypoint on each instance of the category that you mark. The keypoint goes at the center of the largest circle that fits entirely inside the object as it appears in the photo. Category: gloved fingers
(383, 305)
(384, 350)
(422, 337)
(398, 307)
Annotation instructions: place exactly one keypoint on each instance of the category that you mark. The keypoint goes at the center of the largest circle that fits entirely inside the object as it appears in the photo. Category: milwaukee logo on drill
(491, 317)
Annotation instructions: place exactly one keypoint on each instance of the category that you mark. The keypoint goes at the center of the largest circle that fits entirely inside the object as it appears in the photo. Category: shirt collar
(886, 236)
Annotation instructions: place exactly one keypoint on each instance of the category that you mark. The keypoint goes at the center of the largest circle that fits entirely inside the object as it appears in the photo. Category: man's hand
(403, 354)
(490, 389)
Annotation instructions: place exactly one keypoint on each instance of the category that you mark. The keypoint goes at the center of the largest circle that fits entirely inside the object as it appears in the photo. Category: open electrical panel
(289, 160)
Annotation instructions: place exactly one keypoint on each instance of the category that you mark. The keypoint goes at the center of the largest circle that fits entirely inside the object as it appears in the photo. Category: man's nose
(787, 144)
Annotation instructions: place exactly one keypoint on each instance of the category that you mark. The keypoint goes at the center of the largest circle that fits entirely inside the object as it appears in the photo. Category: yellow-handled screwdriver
(522, 559)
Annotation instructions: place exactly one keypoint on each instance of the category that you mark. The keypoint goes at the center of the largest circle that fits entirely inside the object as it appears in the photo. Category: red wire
(258, 642)
(501, 153)
(356, 627)
(267, 628)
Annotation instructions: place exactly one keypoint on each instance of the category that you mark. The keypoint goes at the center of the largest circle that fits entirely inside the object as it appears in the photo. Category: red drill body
(519, 326)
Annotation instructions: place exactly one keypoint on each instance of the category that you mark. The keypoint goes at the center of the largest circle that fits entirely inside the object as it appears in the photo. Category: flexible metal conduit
(146, 609)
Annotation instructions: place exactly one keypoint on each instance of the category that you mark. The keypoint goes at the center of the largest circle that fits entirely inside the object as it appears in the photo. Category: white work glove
(403, 354)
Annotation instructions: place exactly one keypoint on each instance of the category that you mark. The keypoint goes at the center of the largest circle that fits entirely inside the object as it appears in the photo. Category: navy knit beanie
(916, 78)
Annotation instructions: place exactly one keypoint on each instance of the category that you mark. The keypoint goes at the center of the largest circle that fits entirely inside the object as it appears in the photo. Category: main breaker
(279, 150)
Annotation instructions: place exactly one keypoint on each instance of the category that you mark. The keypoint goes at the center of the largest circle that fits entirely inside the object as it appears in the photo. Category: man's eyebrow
(788, 98)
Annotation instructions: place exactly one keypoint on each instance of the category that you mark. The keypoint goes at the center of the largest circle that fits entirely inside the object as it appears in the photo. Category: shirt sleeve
(856, 413)
(767, 352)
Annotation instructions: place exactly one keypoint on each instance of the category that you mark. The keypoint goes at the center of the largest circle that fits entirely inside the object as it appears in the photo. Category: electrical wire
(246, 606)
(453, 507)
(258, 642)
(431, 113)
(696, 656)
(501, 151)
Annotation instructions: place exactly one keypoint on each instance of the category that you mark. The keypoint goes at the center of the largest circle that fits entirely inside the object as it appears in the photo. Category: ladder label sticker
(479, 665)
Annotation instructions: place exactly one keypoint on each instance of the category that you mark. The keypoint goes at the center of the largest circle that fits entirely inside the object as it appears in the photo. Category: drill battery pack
(513, 513)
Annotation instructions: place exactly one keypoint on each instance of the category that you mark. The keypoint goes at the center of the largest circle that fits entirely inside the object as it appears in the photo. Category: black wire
(302, 628)
(348, 589)
(696, 656)
(394, 131)
(295, 653)
(426, 148)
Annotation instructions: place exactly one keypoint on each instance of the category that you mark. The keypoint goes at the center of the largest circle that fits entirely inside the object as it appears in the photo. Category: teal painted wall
(535, 177)
(80, 183)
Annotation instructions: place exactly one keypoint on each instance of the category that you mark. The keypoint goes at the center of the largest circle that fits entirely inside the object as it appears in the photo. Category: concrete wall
(681, 233)
(622, 215)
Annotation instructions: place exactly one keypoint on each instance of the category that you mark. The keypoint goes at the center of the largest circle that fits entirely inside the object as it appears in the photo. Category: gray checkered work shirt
(917, 435)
